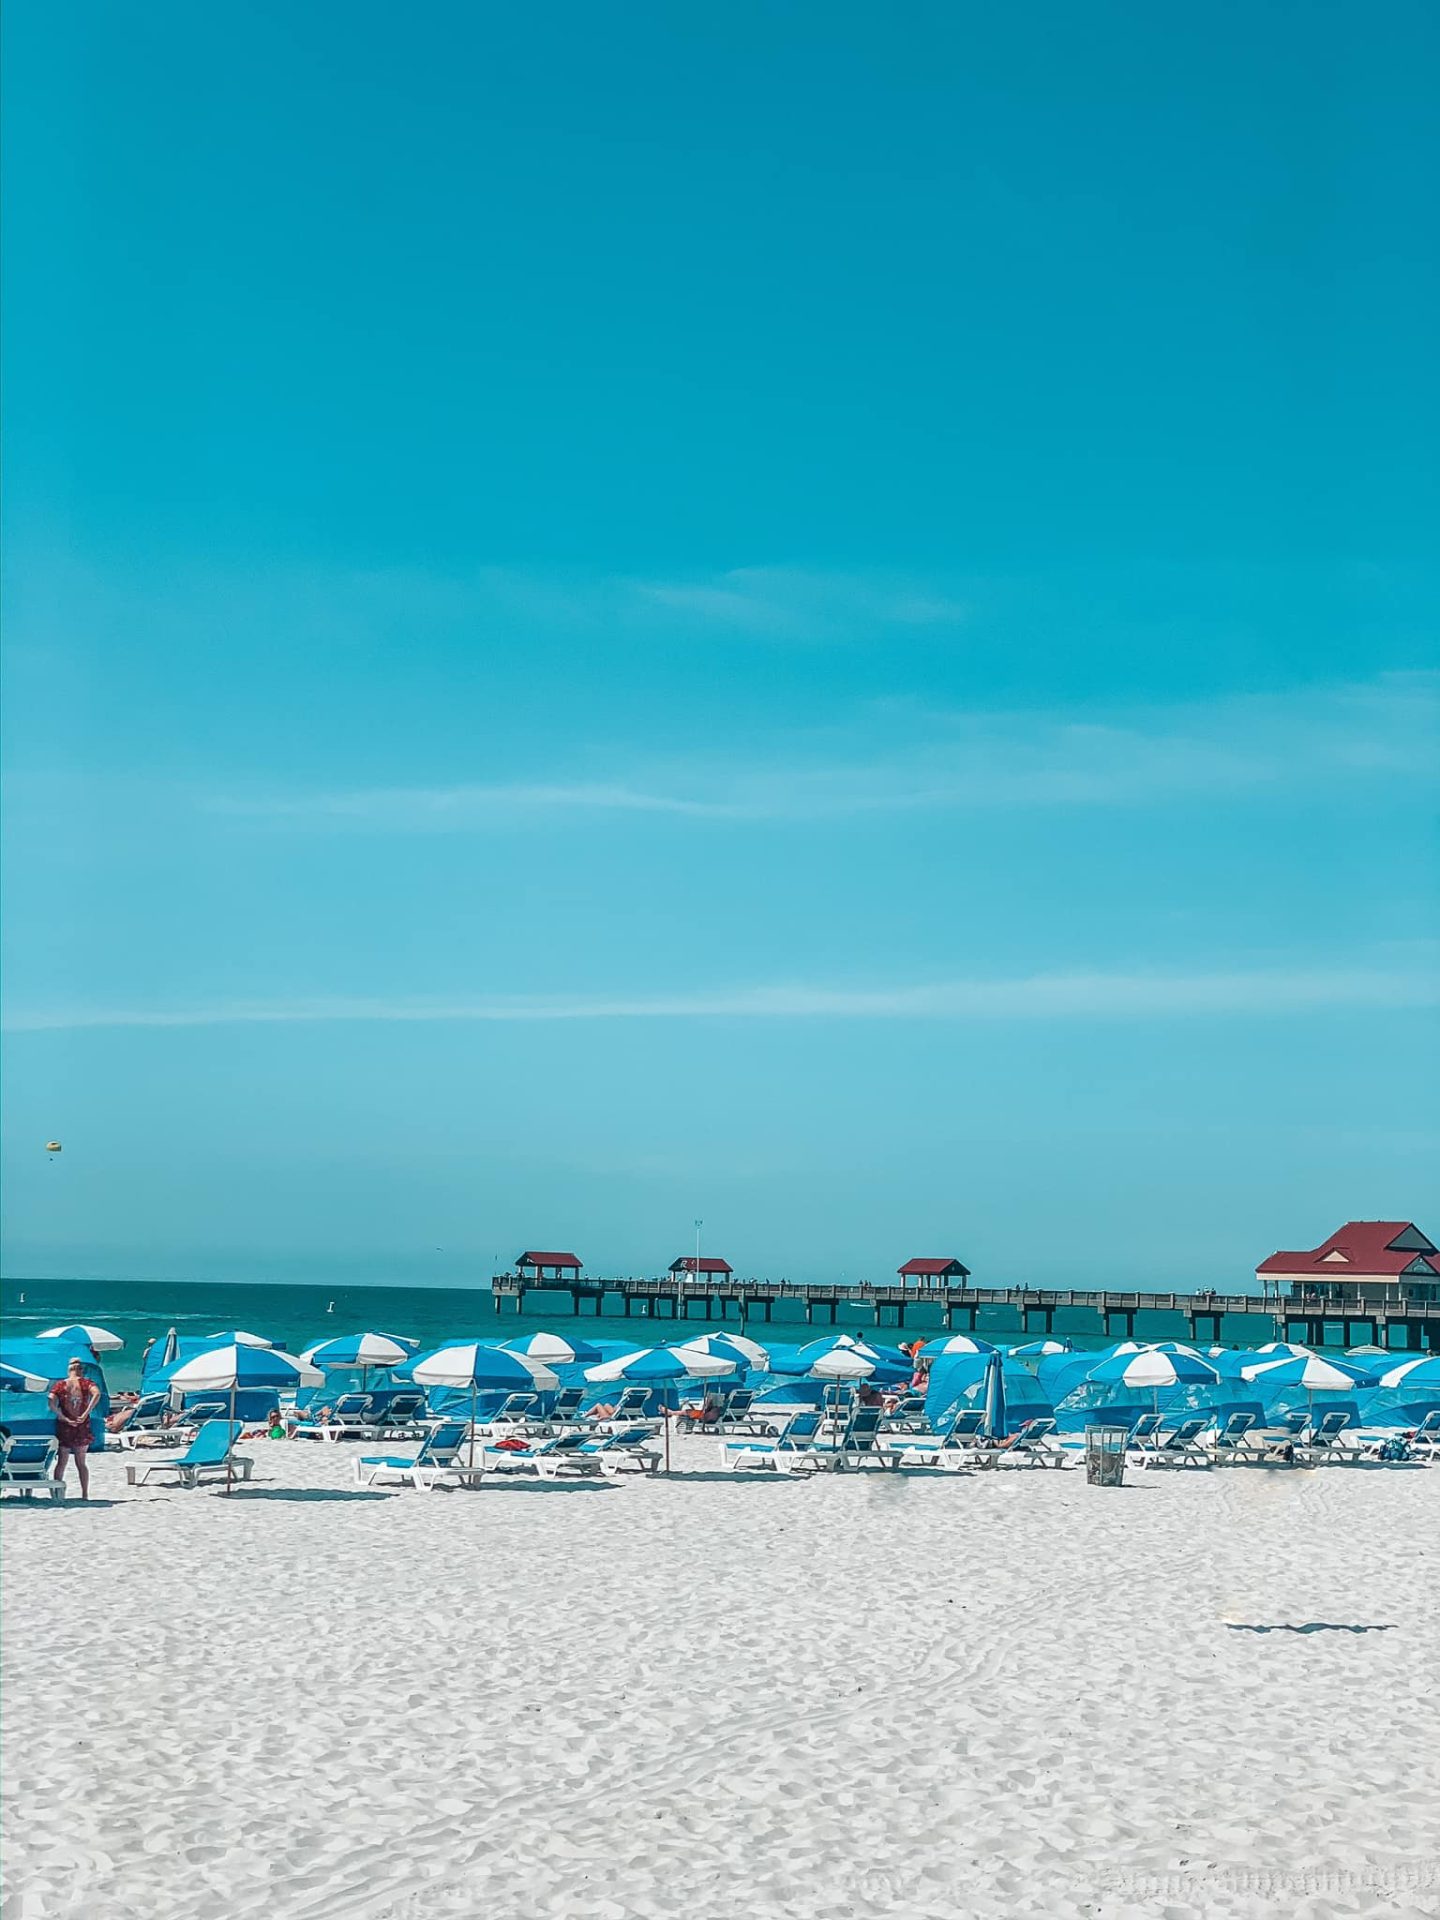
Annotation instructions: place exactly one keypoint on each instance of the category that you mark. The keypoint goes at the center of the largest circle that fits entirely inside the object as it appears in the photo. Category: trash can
(1105, 1455)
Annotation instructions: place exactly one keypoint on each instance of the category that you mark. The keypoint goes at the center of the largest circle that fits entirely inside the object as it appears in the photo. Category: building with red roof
(933, 1271)
(1363, 1260)
(536, 1265)
(705, 1267)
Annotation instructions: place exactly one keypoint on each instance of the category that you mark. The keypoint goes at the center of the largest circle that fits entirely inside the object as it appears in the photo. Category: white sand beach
(1007, 1694)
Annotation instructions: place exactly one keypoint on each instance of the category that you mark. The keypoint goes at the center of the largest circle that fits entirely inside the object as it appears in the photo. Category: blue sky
(817, 617)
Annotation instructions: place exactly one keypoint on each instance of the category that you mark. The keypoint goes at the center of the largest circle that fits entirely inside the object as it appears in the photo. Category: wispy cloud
(1310, 740)
(797, 603)
(1067, 996)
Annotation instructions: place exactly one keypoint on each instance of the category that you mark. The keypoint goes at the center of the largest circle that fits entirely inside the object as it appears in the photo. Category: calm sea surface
(295, 1316)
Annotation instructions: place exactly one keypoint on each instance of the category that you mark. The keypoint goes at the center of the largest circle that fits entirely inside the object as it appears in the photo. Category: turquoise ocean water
(140, 1310)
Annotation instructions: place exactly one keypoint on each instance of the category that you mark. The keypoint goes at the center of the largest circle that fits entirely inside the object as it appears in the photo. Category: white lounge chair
(27, 1466)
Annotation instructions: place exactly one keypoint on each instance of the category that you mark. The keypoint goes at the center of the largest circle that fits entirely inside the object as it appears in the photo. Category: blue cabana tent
(29, 1413)
(958, 1380)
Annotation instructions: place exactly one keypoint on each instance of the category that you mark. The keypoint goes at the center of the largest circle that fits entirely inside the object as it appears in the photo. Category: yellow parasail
(52, 1146)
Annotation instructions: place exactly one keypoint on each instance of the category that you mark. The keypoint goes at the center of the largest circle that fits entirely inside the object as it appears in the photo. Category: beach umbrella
(362, 1350)
(1283, 1350)
(992, 1426)
(233, 1339)
(21, 1380)
(479, 1367)
(738, 1347)
(839, 1357)
(1419, 1374)
(170, 1350)
(1152, 1369)
(553, 1349)
(1307, 1370)
(95, 1337)
(1040, 1349)
(955, 1343)
(662, 1366)
(228, 1368)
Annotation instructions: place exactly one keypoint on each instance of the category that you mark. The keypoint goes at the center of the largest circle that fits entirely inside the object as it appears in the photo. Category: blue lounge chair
(629, 1408)
(1425, 1440)
(27, 1466)
(396, 1418)
(581, 1454)
(346, 1420)
(858, 1444)
(1326, 1444)
(444, 1455)
(791, 1451)
(738, 1415)
(1028, 1447)
(1178, 1448)
(952, 1445)
(907, 1415)
(1234, 1436)
(210, 1452)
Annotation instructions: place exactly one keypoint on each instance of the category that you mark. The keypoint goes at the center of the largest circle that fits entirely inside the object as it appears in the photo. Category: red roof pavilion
(707, 1263)
(544, 1262)
(936, 1269)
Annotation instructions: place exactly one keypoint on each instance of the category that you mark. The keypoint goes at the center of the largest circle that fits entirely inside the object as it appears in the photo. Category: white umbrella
(95, 1337)
(235, 1366)
(243, 1339)
(477, 1366)
(729, 1346)
(660, 1366)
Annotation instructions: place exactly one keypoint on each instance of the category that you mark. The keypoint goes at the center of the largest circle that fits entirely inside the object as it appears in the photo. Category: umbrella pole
(230, 1452)
(666, 1412)
(473, 1392)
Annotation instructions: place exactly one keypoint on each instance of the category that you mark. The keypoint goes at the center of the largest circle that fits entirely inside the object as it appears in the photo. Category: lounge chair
(396, 1418)
(515, 1410)
(439, 1458)
(580, 1454)
(1233, 1439)
(211, 1451)
(792, 1450)
(1425, 1440)
(738, 1415)
(1327, 1444)
(1027, 1447)
(565, 1408)
(27, 1466)
(951, 1446)
(349, 1419)
(859, 1445)
(1178, 1448)
(629, 1408)
(906, 1416)
(1144, 1430)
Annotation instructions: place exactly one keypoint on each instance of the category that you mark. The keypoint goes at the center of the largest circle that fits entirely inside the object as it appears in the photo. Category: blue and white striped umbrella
(95, 1337)
(662, 1366)
(1284, 1350)
(363, 1350)
(553, 1349)
(1421, 1373)
(480, 1367)
(738, 1347)
(1309, 1371)
(228, 1368)
(955, 1343)
(839, 1357)
(1040, 1349)
(236, 1339)
(18, 1380)
(476, 1364)
(1153, 1369)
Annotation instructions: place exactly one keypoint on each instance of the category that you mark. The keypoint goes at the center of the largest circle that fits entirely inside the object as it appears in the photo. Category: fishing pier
(1317, 1318)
